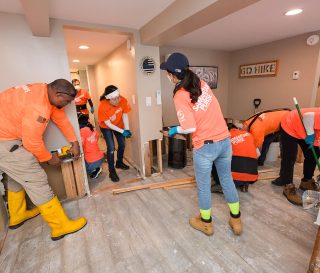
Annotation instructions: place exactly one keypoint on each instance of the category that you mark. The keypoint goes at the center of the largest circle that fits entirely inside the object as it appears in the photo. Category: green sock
(234, 208)
(205, 214)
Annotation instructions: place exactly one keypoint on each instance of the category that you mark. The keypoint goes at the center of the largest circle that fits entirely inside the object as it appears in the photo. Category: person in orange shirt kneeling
(93, 156)
(113, 121)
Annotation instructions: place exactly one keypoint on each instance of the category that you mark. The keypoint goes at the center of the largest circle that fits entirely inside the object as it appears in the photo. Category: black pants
(265, 147)
(289, 151)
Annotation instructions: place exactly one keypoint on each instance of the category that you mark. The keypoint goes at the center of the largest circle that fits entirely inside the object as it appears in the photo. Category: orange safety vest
(244, 164)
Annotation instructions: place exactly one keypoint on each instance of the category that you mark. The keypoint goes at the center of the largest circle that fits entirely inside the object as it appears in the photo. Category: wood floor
(148, 231)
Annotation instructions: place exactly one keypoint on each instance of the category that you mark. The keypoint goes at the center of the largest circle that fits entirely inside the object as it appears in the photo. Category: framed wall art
(209, 74)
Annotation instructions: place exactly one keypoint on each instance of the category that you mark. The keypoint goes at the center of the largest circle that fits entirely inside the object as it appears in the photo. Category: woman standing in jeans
(199, 113)
(113, 121)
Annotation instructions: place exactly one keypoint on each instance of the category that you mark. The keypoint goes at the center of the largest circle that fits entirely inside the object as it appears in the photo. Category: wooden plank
(116, 186)
(171, 184)
(300, 157)
(79, 177)
(147, 160)
(183, 186)
(267, 170)
(314, 265)
(159, 155)
(69, 181)
(155, 185)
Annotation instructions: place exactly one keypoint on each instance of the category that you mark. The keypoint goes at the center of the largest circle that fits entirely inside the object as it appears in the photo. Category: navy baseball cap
(176, 63)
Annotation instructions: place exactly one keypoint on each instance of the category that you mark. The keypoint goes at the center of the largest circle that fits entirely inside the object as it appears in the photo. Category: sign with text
(265, 69)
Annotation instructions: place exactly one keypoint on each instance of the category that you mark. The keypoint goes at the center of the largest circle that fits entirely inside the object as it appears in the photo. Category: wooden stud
(159, 155)
(69, 181)
(116, 186)
(184, 186)
(79, 177)
(266, 171)
(147, 161)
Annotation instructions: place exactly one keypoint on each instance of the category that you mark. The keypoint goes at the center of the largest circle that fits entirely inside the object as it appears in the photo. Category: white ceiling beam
(37, 16)
(185, 16)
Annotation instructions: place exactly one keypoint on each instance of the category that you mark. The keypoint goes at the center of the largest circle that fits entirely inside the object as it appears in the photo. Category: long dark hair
(109, 89)
(83, 120)
(190, 82)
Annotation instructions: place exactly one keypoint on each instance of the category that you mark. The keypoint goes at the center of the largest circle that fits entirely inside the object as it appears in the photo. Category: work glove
(309, 140)
(127, 133)
(173, 131)
(92, 110)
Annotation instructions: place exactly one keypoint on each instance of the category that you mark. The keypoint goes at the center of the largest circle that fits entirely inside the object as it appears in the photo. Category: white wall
(28, 59)
(196, 57)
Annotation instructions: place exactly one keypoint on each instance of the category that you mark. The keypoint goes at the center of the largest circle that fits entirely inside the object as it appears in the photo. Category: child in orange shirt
(93, 156)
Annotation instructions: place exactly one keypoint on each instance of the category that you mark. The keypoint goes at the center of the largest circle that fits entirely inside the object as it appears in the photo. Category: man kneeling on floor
(24, 115)
(244, 164)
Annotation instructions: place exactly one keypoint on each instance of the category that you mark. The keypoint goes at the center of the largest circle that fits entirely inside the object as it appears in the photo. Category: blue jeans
(108, 136)
(221, 154)
(90, 167)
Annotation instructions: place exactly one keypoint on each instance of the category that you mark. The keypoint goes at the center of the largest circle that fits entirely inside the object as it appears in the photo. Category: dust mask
(77, 87)
(170, 79)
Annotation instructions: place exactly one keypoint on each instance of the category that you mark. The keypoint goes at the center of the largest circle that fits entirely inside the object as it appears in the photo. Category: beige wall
(293, 54)
(28, 59)
(196, 57)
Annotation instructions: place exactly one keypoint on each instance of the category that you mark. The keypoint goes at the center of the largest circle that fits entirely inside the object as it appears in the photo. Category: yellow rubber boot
(53, 213)
(18, 209)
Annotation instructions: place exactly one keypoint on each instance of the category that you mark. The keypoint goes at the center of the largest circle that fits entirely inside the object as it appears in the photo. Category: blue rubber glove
(92, 110)
(173, 131)
(126, 133)
(309, 140)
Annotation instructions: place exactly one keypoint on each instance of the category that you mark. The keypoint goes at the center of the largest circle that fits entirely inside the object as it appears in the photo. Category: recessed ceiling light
(293, 12)
(76, 61)
(83, 47)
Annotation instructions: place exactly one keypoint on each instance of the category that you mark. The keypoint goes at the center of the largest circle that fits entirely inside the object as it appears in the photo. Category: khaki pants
(24, 172)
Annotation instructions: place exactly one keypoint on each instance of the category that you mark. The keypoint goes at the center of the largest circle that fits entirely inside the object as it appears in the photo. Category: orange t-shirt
(92, 152)
(292, 124)
(24, 114)
(113, 113)
(205, 115)
(266, 124)
(82, 97)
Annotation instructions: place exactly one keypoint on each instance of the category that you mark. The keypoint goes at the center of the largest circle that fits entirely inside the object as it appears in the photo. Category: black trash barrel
(177, 157)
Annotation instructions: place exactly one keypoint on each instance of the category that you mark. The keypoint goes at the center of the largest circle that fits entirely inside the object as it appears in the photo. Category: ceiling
(256, 24)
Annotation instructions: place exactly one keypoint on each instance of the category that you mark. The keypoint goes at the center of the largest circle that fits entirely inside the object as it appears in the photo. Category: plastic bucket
(274, 151)
(177, 153)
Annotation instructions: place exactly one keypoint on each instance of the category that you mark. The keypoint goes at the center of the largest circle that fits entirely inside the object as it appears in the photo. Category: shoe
(95, 173)
(198, 224)
(309, 184)
(113, 176)
(53, 213)
(278, 182)
(235, 224)
(18, 209)
(244, 188)
(290, 192)
(216, 188)
(121, 165)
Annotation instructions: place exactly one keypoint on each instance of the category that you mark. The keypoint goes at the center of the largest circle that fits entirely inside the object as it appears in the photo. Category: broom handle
(301, 118)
